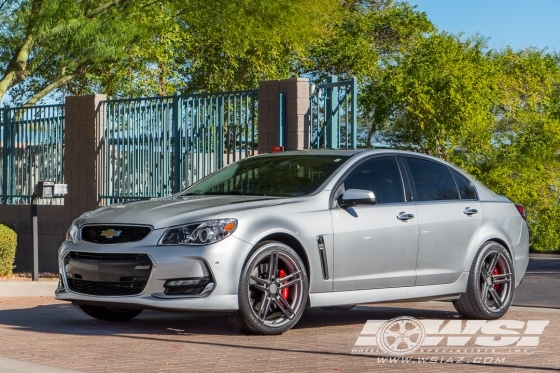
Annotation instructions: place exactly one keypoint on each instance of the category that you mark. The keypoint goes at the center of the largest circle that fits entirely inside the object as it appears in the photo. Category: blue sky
(517, 23)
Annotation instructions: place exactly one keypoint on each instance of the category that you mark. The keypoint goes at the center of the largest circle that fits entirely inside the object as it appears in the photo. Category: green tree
(44, 44)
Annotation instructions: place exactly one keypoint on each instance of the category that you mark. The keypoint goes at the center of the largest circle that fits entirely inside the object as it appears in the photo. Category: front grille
(112, 234)
(106, 288)
(106, 256)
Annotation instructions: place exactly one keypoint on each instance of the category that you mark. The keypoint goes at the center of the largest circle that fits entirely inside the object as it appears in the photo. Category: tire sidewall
(245, 308)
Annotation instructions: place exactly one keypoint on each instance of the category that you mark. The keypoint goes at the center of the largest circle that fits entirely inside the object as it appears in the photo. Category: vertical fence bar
(331, 117)
(176, 185)
(3, 137)
(354, 122)
(280, 120)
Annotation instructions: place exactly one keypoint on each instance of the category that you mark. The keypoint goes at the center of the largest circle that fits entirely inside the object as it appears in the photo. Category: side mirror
(353, 197)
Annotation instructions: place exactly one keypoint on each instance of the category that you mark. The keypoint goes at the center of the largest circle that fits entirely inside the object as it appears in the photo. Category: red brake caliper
(496, 272)
(285, 292)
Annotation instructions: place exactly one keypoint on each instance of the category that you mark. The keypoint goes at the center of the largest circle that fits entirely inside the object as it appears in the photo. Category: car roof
(346, 152)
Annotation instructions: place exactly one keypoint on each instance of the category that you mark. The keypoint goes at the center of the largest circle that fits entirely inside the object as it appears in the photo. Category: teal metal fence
(31, 149)
(333, 115)
(154, 147)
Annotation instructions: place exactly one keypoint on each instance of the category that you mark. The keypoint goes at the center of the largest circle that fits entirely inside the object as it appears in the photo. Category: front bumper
(221, 261)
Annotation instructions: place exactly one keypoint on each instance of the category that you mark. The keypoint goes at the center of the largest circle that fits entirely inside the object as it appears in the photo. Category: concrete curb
(28, 288)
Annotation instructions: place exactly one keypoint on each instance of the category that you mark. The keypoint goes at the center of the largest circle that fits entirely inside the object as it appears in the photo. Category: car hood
(169, 211)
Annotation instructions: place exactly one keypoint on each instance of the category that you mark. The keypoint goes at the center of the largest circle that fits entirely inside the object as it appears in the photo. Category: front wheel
(491, 284)
(110, 313)
(272, 290)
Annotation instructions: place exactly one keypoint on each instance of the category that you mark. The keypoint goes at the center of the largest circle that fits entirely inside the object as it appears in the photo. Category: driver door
(375, 246)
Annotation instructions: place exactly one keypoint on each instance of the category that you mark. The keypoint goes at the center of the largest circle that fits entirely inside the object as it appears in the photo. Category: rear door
(449, 216)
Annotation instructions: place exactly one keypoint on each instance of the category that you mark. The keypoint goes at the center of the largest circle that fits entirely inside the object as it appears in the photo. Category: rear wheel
(110, 313)
(491, 284)
(272, 290)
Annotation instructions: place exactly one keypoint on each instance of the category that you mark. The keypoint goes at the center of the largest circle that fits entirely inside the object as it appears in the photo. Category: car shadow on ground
(69, 319)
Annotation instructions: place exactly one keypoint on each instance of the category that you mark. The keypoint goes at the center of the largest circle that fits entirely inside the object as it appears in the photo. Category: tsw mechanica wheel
(491, 284)
(272, 290)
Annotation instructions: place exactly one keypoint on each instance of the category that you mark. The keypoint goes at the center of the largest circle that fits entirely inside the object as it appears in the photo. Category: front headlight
(72, 232)
(202, 233)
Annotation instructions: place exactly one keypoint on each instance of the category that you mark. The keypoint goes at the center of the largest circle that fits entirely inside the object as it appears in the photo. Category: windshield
(283, 176)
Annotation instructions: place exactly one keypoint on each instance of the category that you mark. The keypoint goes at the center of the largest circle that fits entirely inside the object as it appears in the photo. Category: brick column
(296, 92)
(83, 128)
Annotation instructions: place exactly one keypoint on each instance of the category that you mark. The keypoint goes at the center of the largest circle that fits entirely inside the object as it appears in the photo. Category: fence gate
(31, 149)
(333, 115)
(155, 147)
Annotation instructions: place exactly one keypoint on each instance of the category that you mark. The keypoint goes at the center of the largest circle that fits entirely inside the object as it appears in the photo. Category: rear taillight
(521, 210)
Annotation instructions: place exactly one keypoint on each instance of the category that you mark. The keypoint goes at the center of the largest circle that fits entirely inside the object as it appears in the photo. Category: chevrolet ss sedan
(269, 236)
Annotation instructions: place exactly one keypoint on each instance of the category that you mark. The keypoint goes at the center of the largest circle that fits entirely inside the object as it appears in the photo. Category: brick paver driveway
(42, 330)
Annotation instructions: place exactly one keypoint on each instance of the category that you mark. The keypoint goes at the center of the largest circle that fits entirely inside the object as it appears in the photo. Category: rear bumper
(221, 261)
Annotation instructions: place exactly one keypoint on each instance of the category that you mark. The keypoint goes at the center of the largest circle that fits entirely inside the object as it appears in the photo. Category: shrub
(8, 243)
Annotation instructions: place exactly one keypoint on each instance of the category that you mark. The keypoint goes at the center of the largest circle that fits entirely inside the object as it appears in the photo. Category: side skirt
(410, 293)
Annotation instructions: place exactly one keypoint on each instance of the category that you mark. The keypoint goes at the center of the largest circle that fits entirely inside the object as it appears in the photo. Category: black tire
(491, 284)
(339, 308)
(110, 313)
(261, 285)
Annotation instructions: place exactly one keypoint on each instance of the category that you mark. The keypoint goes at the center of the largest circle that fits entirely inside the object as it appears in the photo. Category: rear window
(432, 180)
(466, 188)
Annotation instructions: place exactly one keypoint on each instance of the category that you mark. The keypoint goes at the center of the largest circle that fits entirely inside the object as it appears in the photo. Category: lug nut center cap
(273, 289)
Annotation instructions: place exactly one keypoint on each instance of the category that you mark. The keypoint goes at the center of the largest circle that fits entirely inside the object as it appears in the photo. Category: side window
(380, 175)
(466, 188)
(432, 180)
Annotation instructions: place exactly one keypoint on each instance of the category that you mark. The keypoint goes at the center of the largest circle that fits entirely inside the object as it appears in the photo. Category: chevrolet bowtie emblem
(110, 233)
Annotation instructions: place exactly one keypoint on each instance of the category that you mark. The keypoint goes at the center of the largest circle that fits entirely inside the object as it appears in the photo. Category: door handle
(468, 211)
(404, 216)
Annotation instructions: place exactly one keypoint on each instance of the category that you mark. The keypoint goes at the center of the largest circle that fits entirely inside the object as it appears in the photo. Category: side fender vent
(323, 257)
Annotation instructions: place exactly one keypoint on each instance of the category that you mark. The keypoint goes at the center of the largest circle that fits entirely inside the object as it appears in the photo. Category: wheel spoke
(396, 343)
(496, 297)
(290, 283)
(501, 278)
(393, 334)
(290, 276)
(408, 342)
(485, 293)
(259, 287)
(416, 330)
(265, 306)
(272, 266)
(284, 307)
(402, 326)
(493, 264)
(259, 280)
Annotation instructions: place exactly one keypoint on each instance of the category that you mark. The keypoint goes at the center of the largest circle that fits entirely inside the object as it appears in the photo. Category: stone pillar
(296, 92)
(83, 128)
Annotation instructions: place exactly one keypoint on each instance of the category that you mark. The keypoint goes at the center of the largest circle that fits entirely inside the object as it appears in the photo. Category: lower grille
(107, 274)
(106, 288)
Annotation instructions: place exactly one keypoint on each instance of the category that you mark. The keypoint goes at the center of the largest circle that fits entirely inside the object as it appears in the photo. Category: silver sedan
(268, 236)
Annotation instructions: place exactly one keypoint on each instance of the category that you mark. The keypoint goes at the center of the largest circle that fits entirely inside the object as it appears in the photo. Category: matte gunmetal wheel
(491, 284)
(272, 290)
